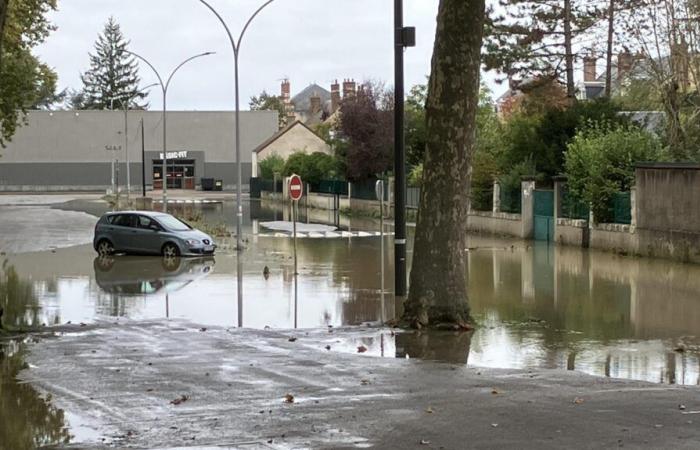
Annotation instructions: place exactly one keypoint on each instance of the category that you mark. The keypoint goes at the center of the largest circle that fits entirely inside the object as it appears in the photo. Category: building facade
(89, 150)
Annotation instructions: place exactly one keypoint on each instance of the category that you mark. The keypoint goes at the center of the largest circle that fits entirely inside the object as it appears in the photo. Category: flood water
(536, 306)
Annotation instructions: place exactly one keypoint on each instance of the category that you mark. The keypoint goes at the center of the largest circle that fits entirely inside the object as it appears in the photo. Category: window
(125, 220)
(173, 224)
(147, 223)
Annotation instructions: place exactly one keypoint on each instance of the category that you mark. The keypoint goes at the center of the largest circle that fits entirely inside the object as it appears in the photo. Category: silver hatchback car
(149, 233)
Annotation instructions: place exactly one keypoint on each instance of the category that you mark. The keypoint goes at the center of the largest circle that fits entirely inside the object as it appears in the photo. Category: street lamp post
(164, 87)
(236, 46)
(129, 98)
(403, 37)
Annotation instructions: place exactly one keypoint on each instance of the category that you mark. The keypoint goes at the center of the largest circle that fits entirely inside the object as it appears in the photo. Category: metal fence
(511, 201)
(412, 197)
(621, 208)
(258, 185)
(337, 187)
(573, 208)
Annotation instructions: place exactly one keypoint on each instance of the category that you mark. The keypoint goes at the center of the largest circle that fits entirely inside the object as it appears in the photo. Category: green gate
(544, 215)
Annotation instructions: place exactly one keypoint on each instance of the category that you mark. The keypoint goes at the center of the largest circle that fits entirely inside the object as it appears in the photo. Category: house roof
(281, 133)
(302, 101)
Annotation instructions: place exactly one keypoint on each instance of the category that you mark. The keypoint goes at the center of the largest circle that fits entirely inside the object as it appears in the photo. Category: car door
(119, 231)
(149, 235)
(127, 232)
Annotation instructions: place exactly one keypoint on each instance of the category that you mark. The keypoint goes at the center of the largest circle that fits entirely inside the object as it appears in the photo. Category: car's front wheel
(105, 248)
(170, 250)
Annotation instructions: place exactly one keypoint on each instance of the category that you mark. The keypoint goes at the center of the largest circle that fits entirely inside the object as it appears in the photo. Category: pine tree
(540, 37)
(112, 80)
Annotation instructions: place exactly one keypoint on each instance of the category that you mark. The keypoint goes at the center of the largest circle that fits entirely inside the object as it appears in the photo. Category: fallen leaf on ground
(179, 400)
(578, 400)
(424, 442)
(289, 398)
(292, 339)
(681, 407)
(328, 347)
(203, 329)
(494, 391)
(494, 425)
(429, 410)
(361, 349)
(364, 382)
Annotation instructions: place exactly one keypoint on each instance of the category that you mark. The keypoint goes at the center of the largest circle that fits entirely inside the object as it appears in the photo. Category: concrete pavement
(154, 384)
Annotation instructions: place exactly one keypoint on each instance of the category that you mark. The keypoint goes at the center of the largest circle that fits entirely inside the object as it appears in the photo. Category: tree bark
(608, 65)
(4, 6)
(438, 283)
(569, 53)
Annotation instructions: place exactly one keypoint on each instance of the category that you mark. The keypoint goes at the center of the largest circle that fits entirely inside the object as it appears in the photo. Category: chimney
(625, 60)
(589, 72)
(335, 97)
(286, 90)
(349, 88)
(315, 106)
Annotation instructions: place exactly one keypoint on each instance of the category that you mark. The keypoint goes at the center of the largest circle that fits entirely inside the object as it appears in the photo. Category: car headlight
(192, 242)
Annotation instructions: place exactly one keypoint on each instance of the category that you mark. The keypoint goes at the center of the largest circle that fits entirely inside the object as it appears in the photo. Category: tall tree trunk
(608, 65)
(568, 51)
(4, 6)
(438, 284)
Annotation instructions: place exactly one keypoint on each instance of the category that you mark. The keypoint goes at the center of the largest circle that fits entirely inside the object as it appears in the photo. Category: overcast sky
(308, 41)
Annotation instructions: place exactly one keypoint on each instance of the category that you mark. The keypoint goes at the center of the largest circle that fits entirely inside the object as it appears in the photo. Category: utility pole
(143, 158)
(403, 37)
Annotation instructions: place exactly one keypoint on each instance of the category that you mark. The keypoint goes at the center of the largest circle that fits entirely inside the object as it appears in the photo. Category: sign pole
(296, 191)
(379, 190)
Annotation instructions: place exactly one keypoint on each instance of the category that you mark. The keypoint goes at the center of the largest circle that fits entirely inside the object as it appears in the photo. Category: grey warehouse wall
(69, 149)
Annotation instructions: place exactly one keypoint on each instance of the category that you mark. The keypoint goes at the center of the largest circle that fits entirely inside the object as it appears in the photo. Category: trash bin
(219, 185)
(207, 184)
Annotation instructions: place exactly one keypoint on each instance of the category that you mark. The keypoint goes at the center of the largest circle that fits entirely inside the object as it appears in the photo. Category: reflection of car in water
(136, 275)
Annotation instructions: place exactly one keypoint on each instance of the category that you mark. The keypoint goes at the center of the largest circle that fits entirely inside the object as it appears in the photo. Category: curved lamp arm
(172, 74)
(236, 46)
(160, 80)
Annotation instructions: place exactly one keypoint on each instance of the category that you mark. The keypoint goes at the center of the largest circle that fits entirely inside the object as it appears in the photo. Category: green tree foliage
(112, 82)
(312, 168)
(415, 125)
(366, 129)
(543, 138)
(487, 153)
(273, 164)
(600, 162)
(267, 102)
(24, 80)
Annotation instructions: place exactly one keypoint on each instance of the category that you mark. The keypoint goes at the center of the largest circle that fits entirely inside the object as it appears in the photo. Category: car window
(147, 223)
(120, 220)
(173, 224)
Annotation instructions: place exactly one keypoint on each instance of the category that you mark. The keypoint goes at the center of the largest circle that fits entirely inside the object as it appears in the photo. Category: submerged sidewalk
(152, 384)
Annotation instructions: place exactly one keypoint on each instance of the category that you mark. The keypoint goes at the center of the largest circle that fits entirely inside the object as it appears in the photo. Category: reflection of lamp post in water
(164, 87)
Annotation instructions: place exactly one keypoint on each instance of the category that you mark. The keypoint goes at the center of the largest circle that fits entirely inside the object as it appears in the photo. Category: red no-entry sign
(296, 188)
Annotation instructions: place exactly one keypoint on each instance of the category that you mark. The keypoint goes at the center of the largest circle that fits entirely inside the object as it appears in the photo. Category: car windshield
(173, 224)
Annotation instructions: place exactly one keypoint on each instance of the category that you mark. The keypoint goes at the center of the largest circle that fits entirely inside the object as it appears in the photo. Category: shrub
(415, 178)
(600, 162)
(312, 168)
(271, 165)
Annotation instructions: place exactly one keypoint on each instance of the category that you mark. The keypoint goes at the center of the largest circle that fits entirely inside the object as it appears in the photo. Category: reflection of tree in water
(433, 345)
(18, 299)
(26, 420)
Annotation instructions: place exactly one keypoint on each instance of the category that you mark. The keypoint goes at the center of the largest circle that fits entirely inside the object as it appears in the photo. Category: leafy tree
(600, 162)
(267, 102)
(538, 37)
(543, 138)
(366, 129)
(438, 284)
(270, 166)
(487, 154)
(312, 168)
(24, 80)
(112, 80)
(415, 125)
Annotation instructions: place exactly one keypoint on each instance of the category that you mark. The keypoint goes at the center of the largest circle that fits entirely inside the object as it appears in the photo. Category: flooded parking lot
(536, 306)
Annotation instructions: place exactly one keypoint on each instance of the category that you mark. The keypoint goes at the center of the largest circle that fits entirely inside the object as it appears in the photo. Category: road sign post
(379, 191)
(296, 191)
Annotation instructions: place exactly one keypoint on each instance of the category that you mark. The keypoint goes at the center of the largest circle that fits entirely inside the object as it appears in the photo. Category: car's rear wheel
(105, 248)
(170, 250)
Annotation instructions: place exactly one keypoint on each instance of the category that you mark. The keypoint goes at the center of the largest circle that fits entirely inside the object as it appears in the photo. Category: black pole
(399, 156)
(143, 159)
